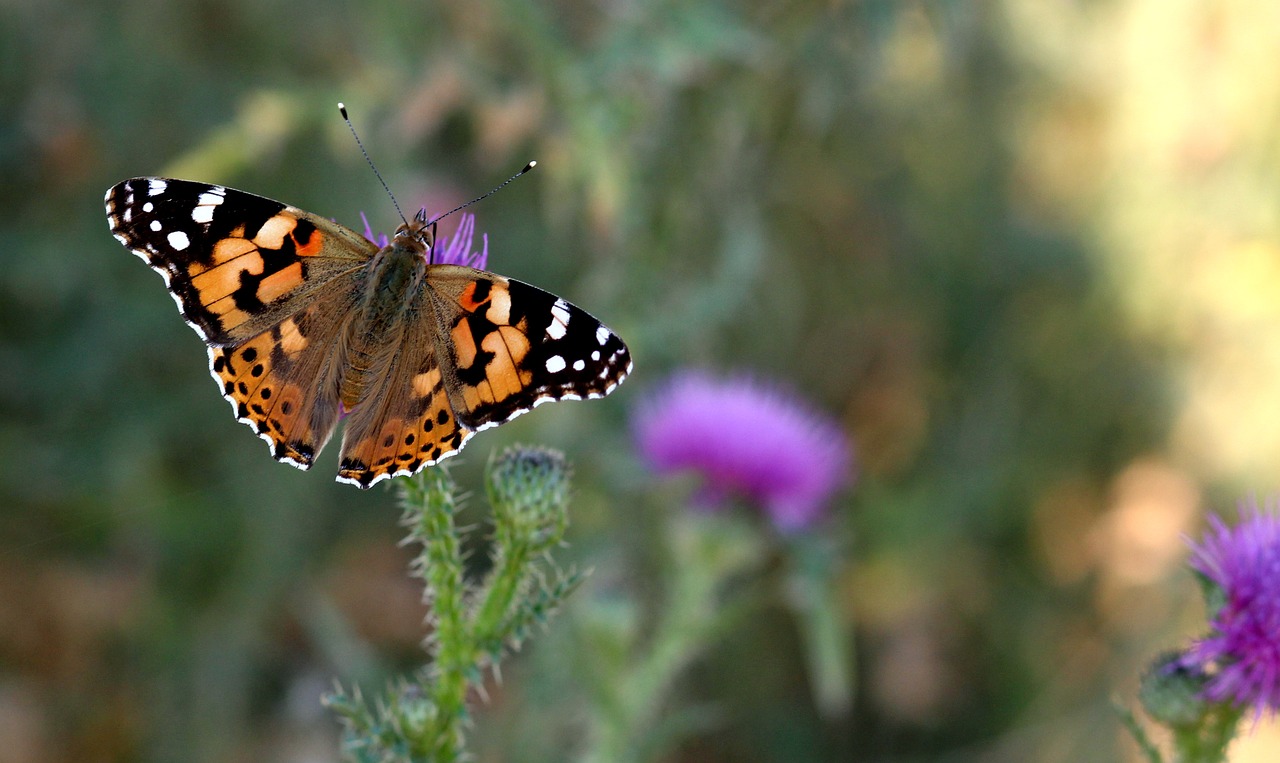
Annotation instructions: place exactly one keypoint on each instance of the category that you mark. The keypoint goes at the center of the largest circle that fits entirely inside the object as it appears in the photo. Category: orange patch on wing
(224, 251)
(228, 314)
(503, 381)
(233, 319)
(280, 283)
(499, 306)
(228, 249)
(220, 280)
(311, 247)
(464, 344)
(501, 373)
(271, 234)
(425, 383)
(291, 340)
(468, 298)
(517, 343)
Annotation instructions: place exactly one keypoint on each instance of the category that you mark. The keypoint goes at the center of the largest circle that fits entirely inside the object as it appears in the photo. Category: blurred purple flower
(1243, 648)
(745, 438)
(448, 250)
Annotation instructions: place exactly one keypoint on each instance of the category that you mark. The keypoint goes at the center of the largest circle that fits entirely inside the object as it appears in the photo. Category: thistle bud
(529, 492)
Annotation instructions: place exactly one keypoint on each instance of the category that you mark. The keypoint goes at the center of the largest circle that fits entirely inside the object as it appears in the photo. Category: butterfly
(308, 322)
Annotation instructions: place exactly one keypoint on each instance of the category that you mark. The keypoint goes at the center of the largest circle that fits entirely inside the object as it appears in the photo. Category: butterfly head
(418, 234)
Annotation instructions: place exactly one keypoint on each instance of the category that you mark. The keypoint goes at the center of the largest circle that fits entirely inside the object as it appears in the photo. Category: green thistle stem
(423, 719)
(708, 555)
(1208, 742)
(507, 580)
(430, 506)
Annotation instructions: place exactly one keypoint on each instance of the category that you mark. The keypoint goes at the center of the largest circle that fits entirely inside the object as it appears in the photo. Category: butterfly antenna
(342, 109)
(527, 167)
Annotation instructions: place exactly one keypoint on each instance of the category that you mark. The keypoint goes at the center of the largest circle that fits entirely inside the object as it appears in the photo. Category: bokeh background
(1027, 252)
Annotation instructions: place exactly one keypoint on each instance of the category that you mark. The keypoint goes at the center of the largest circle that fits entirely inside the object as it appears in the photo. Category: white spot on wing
(595, 355)
(155, 225)
(559, 319)
(203, 213)
(602, 335)
(555, 329)
(148, 207)
(555, 364)
(178, 240)
(156, 186)
(578, 365)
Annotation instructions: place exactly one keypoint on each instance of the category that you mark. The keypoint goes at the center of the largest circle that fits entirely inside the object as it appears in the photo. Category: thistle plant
(1203, 692)
(424, 717)
(758, 442)
(715, 574)
(746, 438)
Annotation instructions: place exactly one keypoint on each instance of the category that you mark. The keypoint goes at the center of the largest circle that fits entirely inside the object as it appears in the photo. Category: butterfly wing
(237, 264)
(405, 420)
(269, 288)
(480, 350)
(285, 383)
(511, 346)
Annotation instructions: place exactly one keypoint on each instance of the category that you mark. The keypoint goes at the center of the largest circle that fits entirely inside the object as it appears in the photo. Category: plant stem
(505, 584)
(440, 564)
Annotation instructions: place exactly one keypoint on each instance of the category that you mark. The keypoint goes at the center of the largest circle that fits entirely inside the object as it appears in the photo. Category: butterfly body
(307, 322)
(388, 288)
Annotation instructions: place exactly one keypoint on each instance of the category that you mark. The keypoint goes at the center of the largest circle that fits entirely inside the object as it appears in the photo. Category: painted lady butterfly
(308, 321)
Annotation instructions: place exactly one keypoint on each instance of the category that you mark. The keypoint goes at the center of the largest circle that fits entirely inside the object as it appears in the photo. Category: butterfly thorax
(391, 284)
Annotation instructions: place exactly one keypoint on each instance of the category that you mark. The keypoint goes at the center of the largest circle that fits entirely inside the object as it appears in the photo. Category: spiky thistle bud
(529, 492)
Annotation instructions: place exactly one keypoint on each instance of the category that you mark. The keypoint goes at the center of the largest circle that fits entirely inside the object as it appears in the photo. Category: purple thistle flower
(745, 438)
(1242, 652)
(448, 250)
(380, 239)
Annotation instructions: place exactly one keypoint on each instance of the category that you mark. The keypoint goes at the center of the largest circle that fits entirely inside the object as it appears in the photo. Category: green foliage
(632, 682)
(471, 624)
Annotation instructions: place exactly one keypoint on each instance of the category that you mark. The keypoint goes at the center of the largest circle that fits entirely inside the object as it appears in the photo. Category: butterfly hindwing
(407, 421)
(285, 383)
(237, 264)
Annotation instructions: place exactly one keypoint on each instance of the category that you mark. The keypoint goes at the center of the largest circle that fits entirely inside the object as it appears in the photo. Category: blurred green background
(1027, 252)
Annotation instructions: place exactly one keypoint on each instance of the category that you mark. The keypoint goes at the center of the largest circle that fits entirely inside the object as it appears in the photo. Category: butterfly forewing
(512, 346)
(237, 264)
